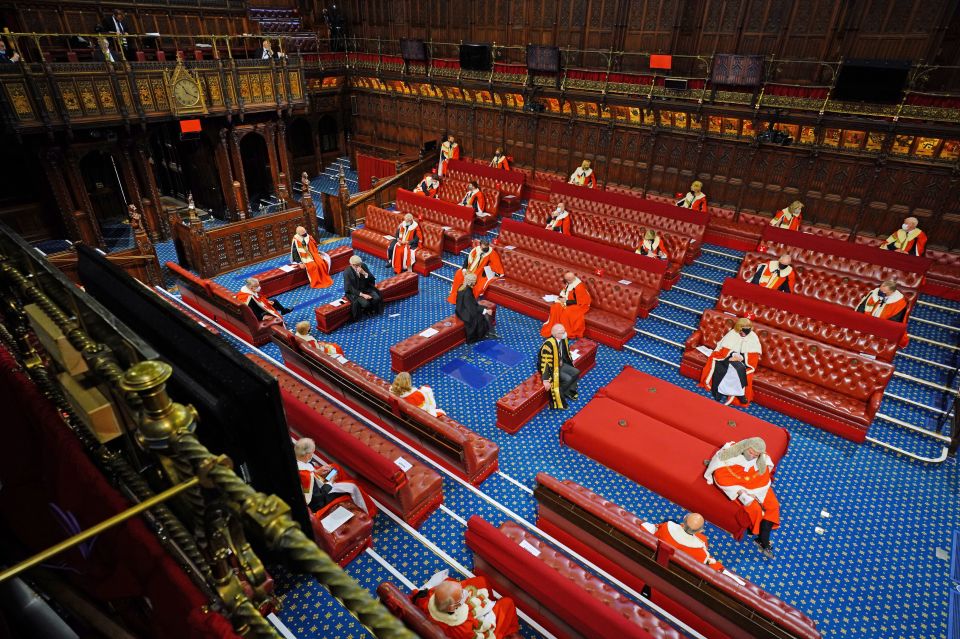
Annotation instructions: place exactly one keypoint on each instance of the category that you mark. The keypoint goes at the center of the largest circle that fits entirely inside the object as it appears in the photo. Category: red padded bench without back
(284, 278)
(332, 316)
(380, 222)
(416, 350)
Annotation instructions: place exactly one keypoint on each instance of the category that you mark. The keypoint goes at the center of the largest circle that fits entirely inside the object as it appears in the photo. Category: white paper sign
(342, 359)
(286, 268)
(626, 282)
(706, 351)
(392, 315)
(336, 302)
(446, 228)
(403, 464)
(337, 518)
(574, 354)
(509, 248)
(430, 332)
(529, 548)
(436, 580)
(735, 578)
(389, 237)
(550, 299)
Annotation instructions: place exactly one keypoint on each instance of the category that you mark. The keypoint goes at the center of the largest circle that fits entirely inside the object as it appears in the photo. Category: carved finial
(134, 216)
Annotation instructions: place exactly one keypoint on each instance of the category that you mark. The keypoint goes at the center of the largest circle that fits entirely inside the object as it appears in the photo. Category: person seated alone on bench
(402, 250)
(475, 200)
(428, 186)
(466, 609)
(651, 246)
(322, 484)
(423, 397)
(695, 199)
(907, 239)
(303, 250)
(742, 471)
(303, 335)
(359, 286)
(559, 221)
(557, 371)
(885, 302)
(788, 218)
(483, 262)
(730, 367)
(500, 161)
(569, 308)
(776, 274)
(584, 176)
(686, 537)
(475, 318)
(449, 150)
(261, 306)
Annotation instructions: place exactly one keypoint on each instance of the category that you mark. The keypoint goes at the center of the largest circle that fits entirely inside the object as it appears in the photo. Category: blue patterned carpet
(858, 547)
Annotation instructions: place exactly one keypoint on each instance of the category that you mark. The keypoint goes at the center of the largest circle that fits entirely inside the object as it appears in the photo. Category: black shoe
(766, 551)
(572, 396)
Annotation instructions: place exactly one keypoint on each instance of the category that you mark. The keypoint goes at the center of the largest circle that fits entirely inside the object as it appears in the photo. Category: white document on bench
(337, 518)
(530, 548)
(734, 577)
(389, 237)
(403, 464)
(509, 248)
(550, 299)
(574, 354)
(706, 351)
(488, 273)
(482, 214)
(436, 580)
(336, 302)
(430, 332)
(286, 268)
(342, 359)
(626, 282)
(446, 228)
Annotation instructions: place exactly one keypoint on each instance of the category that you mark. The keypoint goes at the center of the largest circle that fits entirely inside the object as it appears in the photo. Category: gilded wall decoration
(69, 96)
(105, 93)
(159, 92)
(17, 94)
(88, 96)
(146, 96)
(213, 87)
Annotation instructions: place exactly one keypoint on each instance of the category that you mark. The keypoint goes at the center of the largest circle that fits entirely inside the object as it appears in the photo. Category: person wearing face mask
(728, 374)
(475, 199)
(466, 609)
(557, 371)
(907, 239)
(402, 250)
(559, 221)
(776, 274)
(885, 302)
(303, 250)
(570, 307)
(261, 306)
(359, 287)
(742, 471)
(325, 483)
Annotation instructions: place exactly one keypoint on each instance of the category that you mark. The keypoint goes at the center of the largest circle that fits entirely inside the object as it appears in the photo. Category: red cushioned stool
(415, 351)
(331, 317)
(351, 538)
(288, 277)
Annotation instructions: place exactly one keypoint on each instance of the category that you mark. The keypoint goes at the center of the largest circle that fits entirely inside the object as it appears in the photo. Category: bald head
(693, 523)
(301, 230)
(448, 596)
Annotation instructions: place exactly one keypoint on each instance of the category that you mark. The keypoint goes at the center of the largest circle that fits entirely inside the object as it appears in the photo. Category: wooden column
(90, 229)
(156, 225)
(242, 196)
(270, 134)
(282, 147)
(53, 166)
(225, 173)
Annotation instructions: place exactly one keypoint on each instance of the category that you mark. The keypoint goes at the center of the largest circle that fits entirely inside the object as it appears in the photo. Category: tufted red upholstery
(943, 278)
(825, 261)
(397, 287)
(220, 305)
(381, 222)
(693, 592)
(369, 458)
(350, 539)
(612, 314)
(509, 183)
(521, 404)
(555, 590)
(742, 234)
(823, 284)
(456, 220)
(277, 281)
(823, 385)
(400, 606)
(453, 191)
(614, 232)
(415, 351)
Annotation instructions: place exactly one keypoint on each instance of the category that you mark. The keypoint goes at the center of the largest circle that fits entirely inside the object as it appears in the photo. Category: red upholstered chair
(402, 608)
(457, 221)
(380, 222)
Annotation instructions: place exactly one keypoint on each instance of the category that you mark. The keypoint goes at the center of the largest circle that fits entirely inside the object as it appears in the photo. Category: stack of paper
(626, 282)
(337, 518)
(706, 351)
(389, 237)
(550, 299)
(286, 268)
(430, 332)
(402, 464)
(530, 548)
(482, 214)
(336, 302)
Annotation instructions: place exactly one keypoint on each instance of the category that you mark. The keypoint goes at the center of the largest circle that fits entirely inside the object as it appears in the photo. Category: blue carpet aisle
(857, 548)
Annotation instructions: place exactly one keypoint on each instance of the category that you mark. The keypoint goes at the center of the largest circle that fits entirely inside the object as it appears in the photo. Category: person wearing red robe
(789, 218)
(423, 397)
(885, 302)
(262, 307)
(449, 150)
(475, 199)
(559, 221)
(907, 239)
(776, 274)
(695, 199)
(466, 609)
(687, 537)
(500, 161)
(584, 176)
(483, 262)
(402, 250)
(742, 470)
(728, 374)
(569, 308)
(651, 246)
(302, 333)
(322, 484)
(428, 186)
(303, 250)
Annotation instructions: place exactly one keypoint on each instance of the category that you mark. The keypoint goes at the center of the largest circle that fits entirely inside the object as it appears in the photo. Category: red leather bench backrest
(845, 338)
(689, 229)
(189, 281)
(544, 274)
(431, 209)
(945, 258)
(453, 191)
(380, 220)
(387, 222)
(853, 375)
(485, 182)
(840, 264)
(399, 604)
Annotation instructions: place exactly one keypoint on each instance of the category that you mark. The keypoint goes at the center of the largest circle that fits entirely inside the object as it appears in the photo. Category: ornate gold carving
(184, 92)
(245, 87)
(125, 94)
(213, 86)
(159, 93)
(69, 96)
(295, 89)
(105, 93)
(17, 93)
(267, 84)
(146, 95)
(88, 96)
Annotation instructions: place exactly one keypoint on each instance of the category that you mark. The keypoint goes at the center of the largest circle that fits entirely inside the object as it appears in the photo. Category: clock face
(186, 92)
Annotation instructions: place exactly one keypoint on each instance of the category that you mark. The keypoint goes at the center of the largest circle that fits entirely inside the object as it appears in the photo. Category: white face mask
(905, 227)
(563, 336)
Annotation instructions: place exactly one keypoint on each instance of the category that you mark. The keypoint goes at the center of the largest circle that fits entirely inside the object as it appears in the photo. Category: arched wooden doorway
(256, 168)
(107, 197)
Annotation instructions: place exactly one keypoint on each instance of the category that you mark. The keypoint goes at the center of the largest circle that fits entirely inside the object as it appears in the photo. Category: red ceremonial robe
(324, 347)
(474, 619)
(570, 309)
(582, 177)
(304, 251)
(248, 297)
(696, 546)
(427, 188)
(447, 152)
(652, 249)
(776, 276)
(696, 202)
(719, 361)
(475, 200)
(784, 219)
(892, 307)
(741, 474)
(477, 262)
(911, 242)
(560, 223)
(310, 480)
(500, 162)
(402, 251)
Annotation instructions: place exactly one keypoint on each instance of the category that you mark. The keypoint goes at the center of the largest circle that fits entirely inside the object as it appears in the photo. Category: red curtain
(814, 93)
(933, 101)
(369, 167)
(51, 491)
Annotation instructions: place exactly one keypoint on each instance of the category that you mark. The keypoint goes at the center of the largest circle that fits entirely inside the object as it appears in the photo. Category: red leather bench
(844, 328)
(663, 448)
(520, 405)
(740, 234)
(352, 537)
(613, 311)
(330, 317)
(616, 233)
(644, 273)
(453, 191)
(825, 386)
(554, 590)
(509, 183)
(456, 220)
(824, 284)
(286, 278)
(412, 494)
(445, 440)
(400, 606)
(380, 222)
(220, 305)
(415, 351)
(615, 539)
(943, 278)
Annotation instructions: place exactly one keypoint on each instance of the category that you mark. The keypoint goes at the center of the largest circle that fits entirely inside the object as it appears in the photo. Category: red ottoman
(521, 404)
(351, 538)
(332, 316)
(417, 350)
(290, 276)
